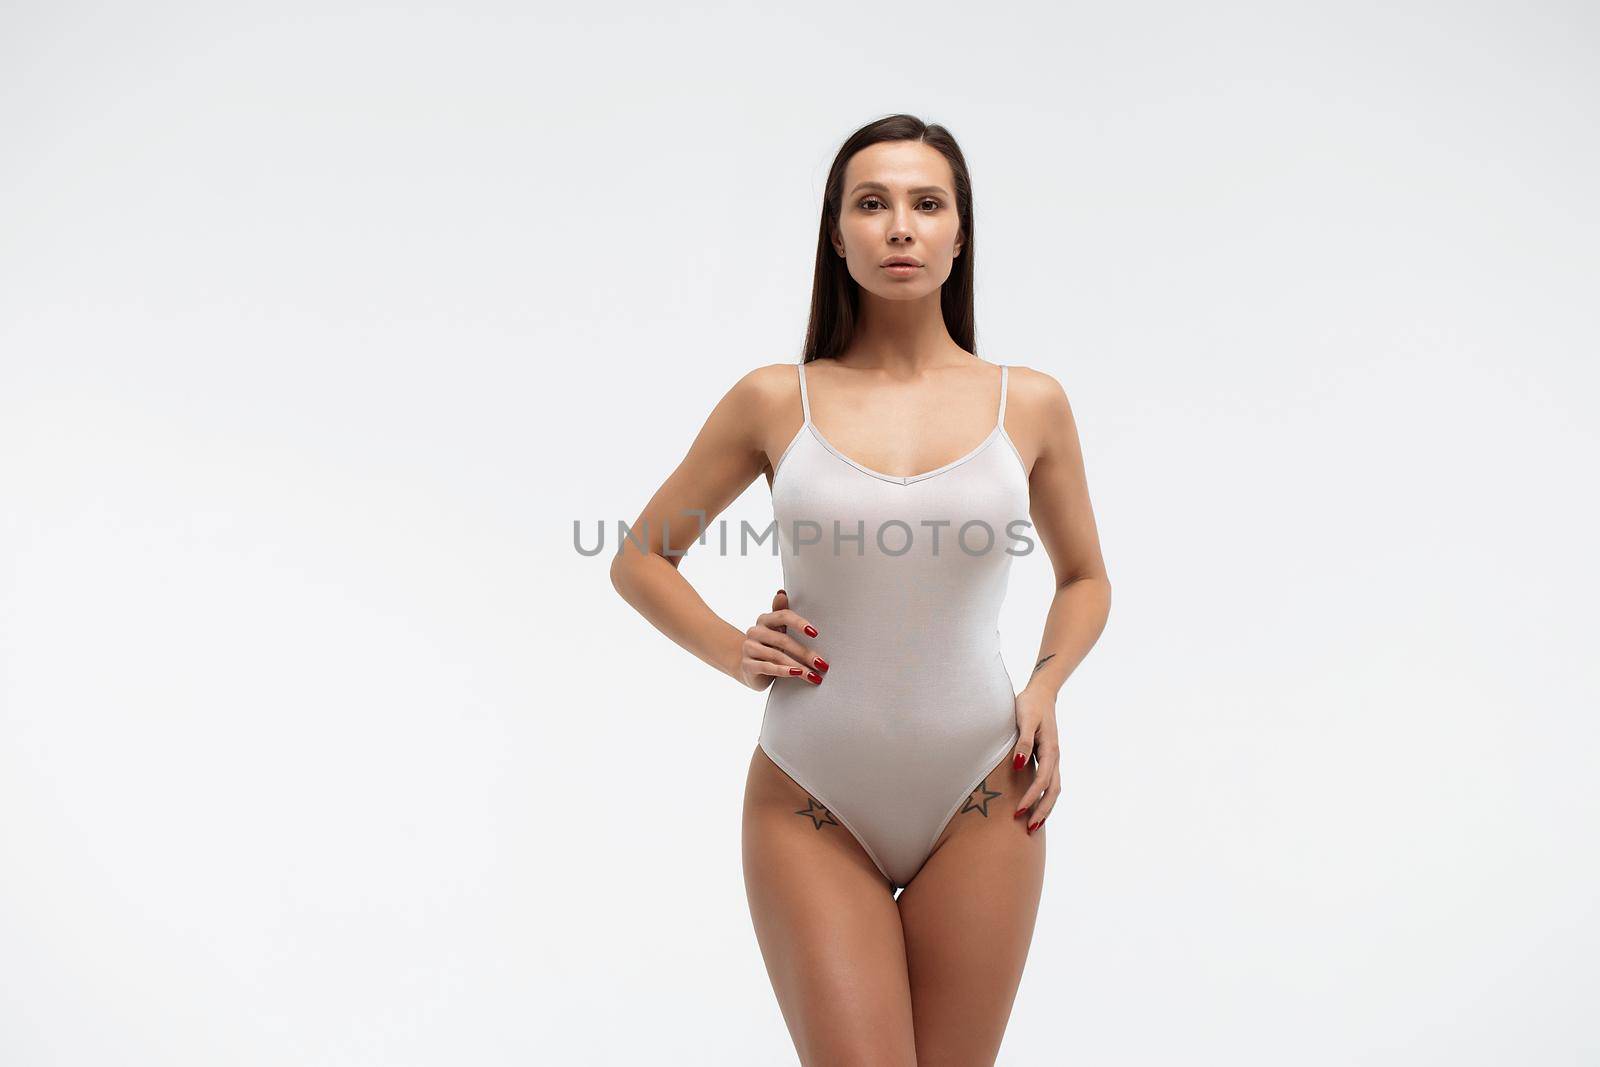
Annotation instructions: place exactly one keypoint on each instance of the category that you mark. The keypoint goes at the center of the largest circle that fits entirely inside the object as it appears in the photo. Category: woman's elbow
(621, 574)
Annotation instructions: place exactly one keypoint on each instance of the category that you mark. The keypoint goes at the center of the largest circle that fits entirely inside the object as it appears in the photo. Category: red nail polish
(1020, 762)
(796, 670)
(780, 590)
(1032, 827)
(1020, 813)
(820, 663)
(814, 678)
(811, 631)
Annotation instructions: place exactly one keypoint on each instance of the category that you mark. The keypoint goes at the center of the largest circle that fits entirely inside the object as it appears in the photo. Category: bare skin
(862, 976)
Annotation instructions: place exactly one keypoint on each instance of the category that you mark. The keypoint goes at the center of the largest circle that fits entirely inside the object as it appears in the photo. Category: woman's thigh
(829, 931)
(968, 919)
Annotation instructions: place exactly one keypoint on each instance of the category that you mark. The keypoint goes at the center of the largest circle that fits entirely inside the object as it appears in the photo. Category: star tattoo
(820, 816)
(979, 800)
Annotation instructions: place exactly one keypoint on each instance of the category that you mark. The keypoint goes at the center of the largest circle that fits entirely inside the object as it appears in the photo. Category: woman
(893, 851)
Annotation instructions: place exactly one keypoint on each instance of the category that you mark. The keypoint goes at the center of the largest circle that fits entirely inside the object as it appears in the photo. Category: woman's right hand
(769, 652)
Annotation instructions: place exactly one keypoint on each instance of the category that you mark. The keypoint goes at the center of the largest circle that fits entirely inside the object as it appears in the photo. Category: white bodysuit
(917, 706)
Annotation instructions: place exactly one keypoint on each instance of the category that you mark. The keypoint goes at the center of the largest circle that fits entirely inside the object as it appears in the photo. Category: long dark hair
(835, 296)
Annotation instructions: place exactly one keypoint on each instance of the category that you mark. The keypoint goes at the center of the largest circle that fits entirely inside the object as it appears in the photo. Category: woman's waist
(870, 617)
(924, 671)
(905, 644)
(877, 702)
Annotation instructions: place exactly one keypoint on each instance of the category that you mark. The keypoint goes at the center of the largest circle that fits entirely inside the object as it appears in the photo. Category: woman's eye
(925, 200)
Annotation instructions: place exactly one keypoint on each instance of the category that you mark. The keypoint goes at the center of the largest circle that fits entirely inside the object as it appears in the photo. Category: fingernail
(796, 670)
(1020, 762)
(780, 590)
(814, 678)
(1020, 813)
(811, 631)
(820, 663)
(1032, 826)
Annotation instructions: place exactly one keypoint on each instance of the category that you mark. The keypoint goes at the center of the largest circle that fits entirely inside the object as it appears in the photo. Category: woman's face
(899, 200)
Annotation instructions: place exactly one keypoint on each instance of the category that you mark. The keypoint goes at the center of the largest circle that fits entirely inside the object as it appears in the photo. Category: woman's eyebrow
(879, 185)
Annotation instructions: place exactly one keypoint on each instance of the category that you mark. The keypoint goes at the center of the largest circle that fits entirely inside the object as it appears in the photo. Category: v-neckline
(998, 430)
(904, 479)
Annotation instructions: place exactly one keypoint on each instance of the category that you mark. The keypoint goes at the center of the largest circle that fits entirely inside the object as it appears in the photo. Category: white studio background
(321, 324)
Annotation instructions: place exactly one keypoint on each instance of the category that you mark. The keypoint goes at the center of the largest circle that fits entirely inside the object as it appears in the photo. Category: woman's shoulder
(1037, 408)
(1036, 388)
(763, 394)
(768, 385)
(1039, 412)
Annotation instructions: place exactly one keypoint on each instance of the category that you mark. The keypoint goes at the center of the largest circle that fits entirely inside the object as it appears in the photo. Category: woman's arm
(727, 455)
(1064, 521)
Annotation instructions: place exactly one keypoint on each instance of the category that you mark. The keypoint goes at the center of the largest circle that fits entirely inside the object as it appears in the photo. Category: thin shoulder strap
(1001, 421)
(805, 402)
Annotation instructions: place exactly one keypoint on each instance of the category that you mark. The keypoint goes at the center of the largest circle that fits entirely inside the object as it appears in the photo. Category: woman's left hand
(1036, 720)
